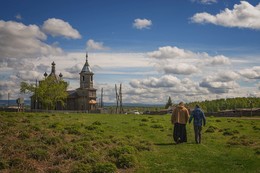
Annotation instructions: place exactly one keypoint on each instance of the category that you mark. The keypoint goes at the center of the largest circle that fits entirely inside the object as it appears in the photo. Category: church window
(83, 78)
(91, 78)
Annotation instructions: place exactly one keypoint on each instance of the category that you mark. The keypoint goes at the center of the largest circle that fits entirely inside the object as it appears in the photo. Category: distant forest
(227, 104)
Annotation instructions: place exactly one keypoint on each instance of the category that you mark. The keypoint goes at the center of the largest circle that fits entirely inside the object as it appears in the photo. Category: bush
(96, 123)
(144, 120)
(81, 168)
(104, 168)
(157, 126)
(39, 154)
(3, 165)
(117, 152)
(126, 161)
(211, 129)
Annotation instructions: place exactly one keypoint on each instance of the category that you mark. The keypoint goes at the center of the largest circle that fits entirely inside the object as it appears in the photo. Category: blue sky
(189, 50)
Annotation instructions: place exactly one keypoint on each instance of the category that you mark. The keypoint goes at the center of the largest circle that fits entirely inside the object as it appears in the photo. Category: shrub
(14, 162)
(81, 168)
(3, 165)
(157, 126)
(54, 170)
(142, 124)
(39, 154)
(96, 123)
(104, 168)
(211, 129)
(73, 130)
(144, 120)
(23, 135)
(218, 121)
(51, 140)
(117, 152)
(126, 161)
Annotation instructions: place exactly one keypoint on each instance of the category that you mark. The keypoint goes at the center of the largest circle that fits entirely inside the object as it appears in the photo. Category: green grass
(41, 142)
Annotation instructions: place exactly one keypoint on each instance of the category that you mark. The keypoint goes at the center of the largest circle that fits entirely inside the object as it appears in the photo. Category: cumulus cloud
(142, 23)
(152, 82)
(181, 68)
(58, 27)
(21, 41)
(219, 60)
(93, 45)
(169, 52)
(221, 82)
(251, 73)
(174, 60)
(244, 15)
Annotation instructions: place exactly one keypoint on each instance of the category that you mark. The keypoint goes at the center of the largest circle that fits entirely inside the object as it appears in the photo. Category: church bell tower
(86, 76)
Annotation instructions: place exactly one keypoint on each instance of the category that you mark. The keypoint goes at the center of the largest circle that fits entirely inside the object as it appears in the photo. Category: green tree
(169, 103)
(49, 92)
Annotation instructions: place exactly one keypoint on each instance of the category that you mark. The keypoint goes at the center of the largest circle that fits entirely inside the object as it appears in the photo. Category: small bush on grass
(242, 140)
(218, 121)
(117, 152)
(256, 128)
(51, 140)
(104, 168)
(3, 165)
(81, 168)
(98, 123)
(23, 135)
(39, 154)
(126, 161)
(144, 120)
(143, 124)
(73, 130)
(228, 132)
(157, 126)
(211, 129)
(54, 170)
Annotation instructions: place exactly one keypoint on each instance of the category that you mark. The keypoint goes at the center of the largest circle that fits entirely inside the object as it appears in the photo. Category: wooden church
(82, 99)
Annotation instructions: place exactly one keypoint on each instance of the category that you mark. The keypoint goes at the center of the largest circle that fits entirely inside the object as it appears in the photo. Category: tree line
(223, 104)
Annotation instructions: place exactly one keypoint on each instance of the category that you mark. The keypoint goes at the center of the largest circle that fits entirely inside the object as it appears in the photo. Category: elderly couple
(180, 117)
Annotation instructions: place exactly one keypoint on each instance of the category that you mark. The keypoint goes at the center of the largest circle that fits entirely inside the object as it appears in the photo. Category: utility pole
(117, 97)
(101, 100)
(8, 95)
(120, 100)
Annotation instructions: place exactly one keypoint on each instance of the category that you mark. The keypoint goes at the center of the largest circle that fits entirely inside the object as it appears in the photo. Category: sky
(189, 50)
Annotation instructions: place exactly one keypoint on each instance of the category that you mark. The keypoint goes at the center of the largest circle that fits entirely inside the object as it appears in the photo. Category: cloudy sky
(187, 49)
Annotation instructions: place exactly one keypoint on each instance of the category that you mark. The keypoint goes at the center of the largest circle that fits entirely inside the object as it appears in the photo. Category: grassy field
(56, 142)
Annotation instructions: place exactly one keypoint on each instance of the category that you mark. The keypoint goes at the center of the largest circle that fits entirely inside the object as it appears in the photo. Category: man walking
(199, 117)
(179, 118)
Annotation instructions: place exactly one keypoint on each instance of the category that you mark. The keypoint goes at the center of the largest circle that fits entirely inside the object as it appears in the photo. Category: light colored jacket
(180, 115)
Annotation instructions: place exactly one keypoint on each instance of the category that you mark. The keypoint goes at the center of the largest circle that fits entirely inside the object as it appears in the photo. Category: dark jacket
(198, 116)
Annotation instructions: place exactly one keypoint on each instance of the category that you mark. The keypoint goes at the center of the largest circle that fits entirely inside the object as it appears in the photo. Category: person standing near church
(199, 118)
(179, 119)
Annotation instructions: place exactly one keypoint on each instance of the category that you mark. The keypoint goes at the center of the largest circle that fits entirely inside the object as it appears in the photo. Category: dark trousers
(197, 131)
(179, 133)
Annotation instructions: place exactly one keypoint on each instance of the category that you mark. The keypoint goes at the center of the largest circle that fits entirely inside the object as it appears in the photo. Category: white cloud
(93, 45)
(142, 23)
(244, 15)
(181, 68)
(219, 60)
(169, 52)
(58, 27)
(251, 73)
(21, 41)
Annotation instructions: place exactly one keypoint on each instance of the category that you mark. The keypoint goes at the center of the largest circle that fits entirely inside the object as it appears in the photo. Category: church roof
(86, 68)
